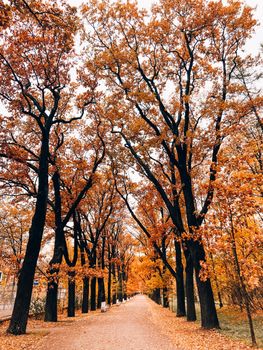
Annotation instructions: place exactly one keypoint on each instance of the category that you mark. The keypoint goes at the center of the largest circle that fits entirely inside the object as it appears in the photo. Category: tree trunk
(20, 312)
(180, 310)
(120, 287)
(156, 295)
(101, 286)
(101, 292)
(165, 297)
(109, 286)
(51, 313)
(85, 296)
(189, 287)
(71, 294)
(51, 308)
(93, 294)
(209, 318)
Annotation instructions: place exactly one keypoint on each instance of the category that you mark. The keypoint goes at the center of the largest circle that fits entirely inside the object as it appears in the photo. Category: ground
(137, 324)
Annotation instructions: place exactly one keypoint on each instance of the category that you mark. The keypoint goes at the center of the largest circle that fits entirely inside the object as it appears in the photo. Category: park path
(127, 327)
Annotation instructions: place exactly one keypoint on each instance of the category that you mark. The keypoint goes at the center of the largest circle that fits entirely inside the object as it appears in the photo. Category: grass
(234, 324)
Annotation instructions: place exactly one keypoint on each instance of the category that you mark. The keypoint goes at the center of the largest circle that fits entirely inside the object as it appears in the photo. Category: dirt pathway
(127, 327)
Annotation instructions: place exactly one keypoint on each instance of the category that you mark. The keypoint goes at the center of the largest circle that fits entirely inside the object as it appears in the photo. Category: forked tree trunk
(209, 318)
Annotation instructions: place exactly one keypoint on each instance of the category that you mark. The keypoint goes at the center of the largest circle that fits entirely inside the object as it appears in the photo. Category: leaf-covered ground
(189, 335)
(183, 335)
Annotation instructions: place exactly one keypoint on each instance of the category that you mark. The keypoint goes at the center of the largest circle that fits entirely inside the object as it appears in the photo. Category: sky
(253, 45)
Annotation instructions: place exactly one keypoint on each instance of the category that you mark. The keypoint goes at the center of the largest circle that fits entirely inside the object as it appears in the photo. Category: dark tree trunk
(51, 313)
(180, 310)
(220, 299)
(20, 313)
(120, 286)
(85, 296)
(93, 294)
(71, 294)
(101, 292)
(51, 308)
(156, 296)
(101, 286)
(114, 295)
(189, 287)
(93, 286)
(124, 282)
(114, 298)
(209, 318)
(109, 285)
(165, 297)
(162, 274)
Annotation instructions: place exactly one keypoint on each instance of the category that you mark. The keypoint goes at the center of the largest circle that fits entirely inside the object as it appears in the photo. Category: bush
(37, 308)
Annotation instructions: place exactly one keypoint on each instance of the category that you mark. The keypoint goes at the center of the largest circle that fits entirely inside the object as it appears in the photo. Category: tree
(233, 227)
(75, 166)
(172, 95)
(35, 61)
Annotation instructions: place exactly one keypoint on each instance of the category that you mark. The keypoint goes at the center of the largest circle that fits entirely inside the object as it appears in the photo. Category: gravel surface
(126, 327)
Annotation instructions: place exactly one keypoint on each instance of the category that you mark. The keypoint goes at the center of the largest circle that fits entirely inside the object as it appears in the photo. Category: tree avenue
(125, 134)
(174, 94)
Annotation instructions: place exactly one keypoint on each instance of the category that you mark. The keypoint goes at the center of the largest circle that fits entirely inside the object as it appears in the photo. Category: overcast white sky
(253, 45)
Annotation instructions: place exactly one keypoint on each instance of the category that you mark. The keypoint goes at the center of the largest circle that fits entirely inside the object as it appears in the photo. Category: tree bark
(101, 292)
(209, 318)
(52, 288)
(109, 284)
(85, 295)
(20, 312)
(51, 308)
(180, 310)
(93, 289)
(120, 285)
(189, 287)
(71, 294)
(156, 295)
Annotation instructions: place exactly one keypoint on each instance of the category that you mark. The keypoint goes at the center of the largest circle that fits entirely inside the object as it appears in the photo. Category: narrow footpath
(126, 327)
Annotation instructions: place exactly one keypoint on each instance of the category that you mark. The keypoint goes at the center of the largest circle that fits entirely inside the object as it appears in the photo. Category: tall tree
(156, 67)
(35, 62)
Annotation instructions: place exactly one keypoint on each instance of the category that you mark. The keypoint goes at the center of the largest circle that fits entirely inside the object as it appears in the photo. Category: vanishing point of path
(127, 327)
